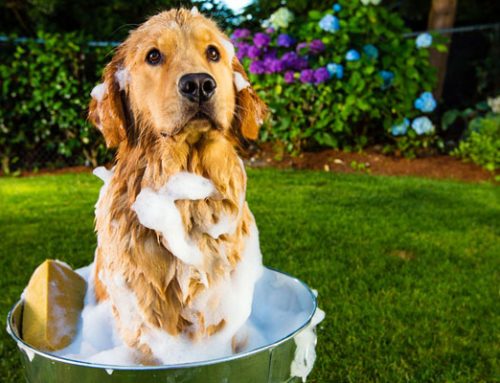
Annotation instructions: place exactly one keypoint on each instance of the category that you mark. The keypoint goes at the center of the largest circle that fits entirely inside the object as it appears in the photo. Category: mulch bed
(437, 167)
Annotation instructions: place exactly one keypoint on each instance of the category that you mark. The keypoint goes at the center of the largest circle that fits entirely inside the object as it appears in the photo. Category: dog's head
(177, 71)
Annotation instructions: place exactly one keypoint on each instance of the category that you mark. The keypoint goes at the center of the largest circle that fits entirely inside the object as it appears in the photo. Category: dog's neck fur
(150, 164)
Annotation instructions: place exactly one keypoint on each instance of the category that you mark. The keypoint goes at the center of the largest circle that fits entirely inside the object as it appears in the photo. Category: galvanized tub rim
(18, 340)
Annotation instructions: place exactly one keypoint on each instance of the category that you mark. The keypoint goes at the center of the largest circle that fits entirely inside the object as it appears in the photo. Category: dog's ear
(106, 110)
(250, 109)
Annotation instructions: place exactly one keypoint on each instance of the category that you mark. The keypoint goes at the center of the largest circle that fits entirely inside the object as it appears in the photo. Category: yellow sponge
(53, 302)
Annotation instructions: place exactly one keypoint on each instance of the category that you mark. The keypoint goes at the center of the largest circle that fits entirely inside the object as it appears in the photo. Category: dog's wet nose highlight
(197, 87)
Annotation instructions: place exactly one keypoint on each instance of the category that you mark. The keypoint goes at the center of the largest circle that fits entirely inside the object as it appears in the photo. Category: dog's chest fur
(133, 259)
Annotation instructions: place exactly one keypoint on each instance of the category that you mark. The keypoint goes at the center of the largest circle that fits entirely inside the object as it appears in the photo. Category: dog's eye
(213, 53)
(154, 57)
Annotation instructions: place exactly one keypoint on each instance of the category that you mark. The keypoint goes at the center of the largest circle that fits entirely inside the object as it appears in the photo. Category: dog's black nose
(197, 87)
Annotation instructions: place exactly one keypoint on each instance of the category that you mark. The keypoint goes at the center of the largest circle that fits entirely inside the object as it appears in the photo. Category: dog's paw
(151, 209)
(184, 185)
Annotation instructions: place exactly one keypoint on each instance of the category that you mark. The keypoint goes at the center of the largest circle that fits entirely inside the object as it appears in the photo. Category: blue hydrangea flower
(425, 103)
(329, 23)
(400, 129)
(422, 125)
(336, 70)
(337, 7)
(387, 76)
(371, 51)
(424, 40)
(352, 55)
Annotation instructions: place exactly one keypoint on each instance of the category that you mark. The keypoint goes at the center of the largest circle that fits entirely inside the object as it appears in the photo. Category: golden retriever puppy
(178, 251)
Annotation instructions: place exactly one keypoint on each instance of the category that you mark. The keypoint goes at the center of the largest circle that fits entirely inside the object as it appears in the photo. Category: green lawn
(407, 269)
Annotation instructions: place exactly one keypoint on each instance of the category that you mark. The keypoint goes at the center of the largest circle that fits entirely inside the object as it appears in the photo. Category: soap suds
(305, 353)
(240, 82)
(27, 351)
(225, 225)
(123, 78)
(279, 307)
(157, 211)
(103, 173)
(98, 92)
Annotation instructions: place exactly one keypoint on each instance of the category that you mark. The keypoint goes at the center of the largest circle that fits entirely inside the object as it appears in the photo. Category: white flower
(368, 2)
(281, 18)
(265, 24)
(494, 104)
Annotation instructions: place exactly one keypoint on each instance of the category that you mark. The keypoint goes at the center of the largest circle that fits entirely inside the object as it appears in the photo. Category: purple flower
(273, 65)
(277, 65)
(302, 48)
(270, 54)
(285, 40)
(261, 40)
(253, 52)
(242, 50)
(292, 61)
(321, 75)
(300, 63)
(307, 76)
(240, 34)
(289, 59)
(316, 46)
(289, 77)
(257, 67)
(270, 30)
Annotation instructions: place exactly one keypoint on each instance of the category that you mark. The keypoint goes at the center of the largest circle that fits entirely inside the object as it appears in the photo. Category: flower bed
(346, 78)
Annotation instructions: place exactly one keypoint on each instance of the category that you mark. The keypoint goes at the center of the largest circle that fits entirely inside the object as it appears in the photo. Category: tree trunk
(442, 15)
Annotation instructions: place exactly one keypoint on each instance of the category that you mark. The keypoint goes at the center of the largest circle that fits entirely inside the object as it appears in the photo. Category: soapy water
(262, 307)
(280, 307)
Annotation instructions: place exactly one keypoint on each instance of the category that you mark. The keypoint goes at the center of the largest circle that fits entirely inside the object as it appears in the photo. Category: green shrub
(44, 96)
(481, 144)
(358, 109)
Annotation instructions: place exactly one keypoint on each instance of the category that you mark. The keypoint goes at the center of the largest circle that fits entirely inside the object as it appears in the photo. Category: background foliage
(360, 108)
(103, 20)
(480, 141)
(44, 96)
(45, 87)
